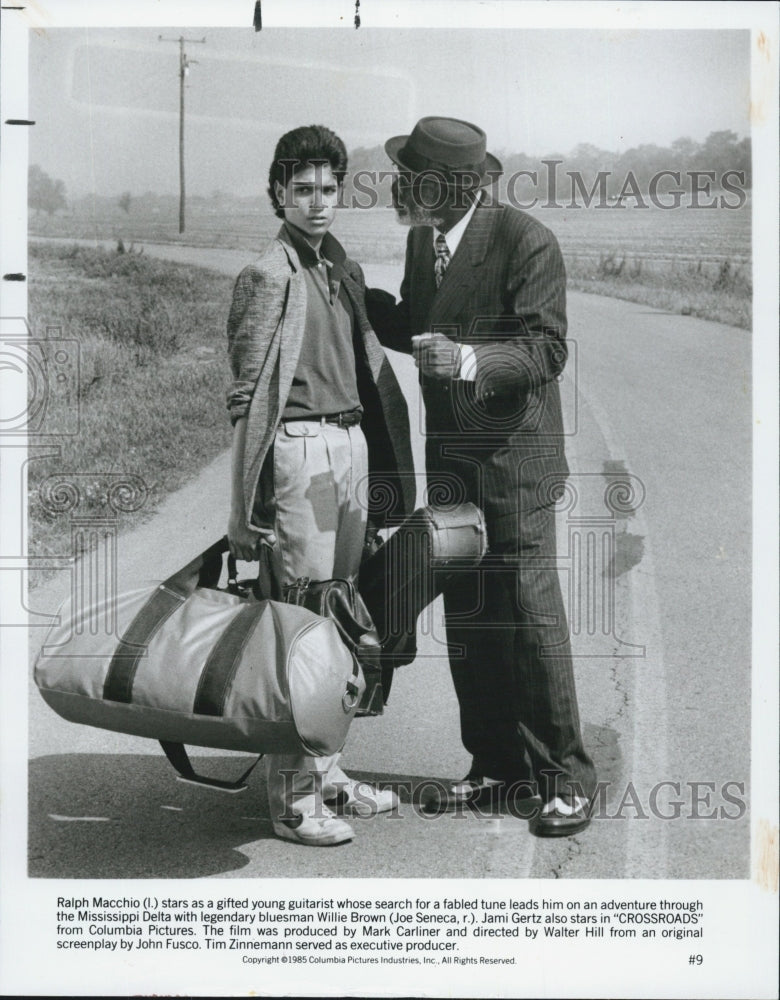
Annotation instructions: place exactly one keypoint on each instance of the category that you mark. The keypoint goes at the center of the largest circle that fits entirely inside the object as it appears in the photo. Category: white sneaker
(321, 830)
(359, 798)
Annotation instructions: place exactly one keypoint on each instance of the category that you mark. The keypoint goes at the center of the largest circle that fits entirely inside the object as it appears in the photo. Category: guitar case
(409, 570)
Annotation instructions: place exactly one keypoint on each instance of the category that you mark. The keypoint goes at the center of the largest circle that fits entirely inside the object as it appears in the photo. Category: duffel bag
(189, 663)
(339, 601)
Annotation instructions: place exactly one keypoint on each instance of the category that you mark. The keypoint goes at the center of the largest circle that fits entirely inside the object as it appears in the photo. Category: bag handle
(178, 757)
(203, 571)
(233, 585)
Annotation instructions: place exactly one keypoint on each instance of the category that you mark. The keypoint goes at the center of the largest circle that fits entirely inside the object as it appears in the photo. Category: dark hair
(301, 146)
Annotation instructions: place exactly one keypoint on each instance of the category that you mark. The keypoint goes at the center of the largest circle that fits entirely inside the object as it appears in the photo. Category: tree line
(719, 153)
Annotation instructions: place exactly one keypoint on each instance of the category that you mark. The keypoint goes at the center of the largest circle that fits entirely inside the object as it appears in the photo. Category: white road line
(649, 751)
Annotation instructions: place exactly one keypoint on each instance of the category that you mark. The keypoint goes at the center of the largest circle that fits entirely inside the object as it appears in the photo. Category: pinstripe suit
(498, 441)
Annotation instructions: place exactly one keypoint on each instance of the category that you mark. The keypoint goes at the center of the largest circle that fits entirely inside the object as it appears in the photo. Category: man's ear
(281, 196)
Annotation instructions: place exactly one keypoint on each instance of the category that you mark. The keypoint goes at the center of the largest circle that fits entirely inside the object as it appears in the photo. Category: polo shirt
(324, 382)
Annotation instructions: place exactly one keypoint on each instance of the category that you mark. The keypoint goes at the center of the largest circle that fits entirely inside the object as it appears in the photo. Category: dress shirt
(468, 359)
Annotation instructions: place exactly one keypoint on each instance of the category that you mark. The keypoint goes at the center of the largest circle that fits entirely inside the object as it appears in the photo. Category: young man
(316, 409)
(493, 278)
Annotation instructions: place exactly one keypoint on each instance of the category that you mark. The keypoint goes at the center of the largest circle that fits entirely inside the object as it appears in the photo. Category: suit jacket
(265, 333)
(498, 440)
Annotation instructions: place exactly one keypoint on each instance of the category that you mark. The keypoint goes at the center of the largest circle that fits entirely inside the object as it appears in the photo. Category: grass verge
(147, 399)
(722, 292)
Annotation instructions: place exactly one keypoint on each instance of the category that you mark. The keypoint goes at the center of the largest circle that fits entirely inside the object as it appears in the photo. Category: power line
(184, 65)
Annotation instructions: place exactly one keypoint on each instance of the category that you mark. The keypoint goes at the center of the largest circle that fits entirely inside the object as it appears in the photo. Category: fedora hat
(447, 146)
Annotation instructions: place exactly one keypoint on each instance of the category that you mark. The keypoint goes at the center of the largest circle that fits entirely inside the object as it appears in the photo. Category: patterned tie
(442, 258)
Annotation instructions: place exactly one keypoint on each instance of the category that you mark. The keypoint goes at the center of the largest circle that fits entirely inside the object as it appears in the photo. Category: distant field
(653, 234)
(695, 261)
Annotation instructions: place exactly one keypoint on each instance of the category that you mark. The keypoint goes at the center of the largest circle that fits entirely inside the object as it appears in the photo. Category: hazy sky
(106, 101)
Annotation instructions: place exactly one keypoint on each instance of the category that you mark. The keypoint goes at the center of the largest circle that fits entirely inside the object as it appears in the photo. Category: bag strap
(177, 755)
(203, 571)
(167, 598)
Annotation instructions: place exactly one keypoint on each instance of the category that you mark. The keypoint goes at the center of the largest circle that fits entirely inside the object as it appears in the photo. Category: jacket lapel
(292, 326)
(463, 271)
(281, 348)
(422, 284)
(374, 353)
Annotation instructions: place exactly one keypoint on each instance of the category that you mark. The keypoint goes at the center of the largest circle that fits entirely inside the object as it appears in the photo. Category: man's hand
(436, 355)
(245, 542)
(372, 541)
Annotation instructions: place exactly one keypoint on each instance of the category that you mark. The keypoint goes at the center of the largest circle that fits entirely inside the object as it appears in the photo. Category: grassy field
(690, 261)
(720, 291)
(152, 376)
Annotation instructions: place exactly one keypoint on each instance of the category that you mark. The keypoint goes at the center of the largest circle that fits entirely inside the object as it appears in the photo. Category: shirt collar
(331, 251)
(455, 235)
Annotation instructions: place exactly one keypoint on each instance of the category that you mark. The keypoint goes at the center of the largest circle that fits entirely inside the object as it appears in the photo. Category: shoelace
(327, 813)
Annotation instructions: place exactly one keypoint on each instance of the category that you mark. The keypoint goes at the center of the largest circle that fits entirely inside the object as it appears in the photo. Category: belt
(347, 418)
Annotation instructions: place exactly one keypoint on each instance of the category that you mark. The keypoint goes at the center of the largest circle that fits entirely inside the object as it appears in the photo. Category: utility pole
(184, 65)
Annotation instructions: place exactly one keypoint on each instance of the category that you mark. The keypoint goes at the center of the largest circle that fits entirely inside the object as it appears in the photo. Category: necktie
(442, 258)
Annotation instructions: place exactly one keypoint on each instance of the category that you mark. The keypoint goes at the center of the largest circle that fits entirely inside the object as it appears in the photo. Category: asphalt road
(658, 417)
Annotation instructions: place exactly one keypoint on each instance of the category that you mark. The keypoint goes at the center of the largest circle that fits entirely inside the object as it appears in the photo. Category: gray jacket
(265, 332)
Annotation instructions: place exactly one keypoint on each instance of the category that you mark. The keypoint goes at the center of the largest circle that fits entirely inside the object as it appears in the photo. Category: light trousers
(308, 495)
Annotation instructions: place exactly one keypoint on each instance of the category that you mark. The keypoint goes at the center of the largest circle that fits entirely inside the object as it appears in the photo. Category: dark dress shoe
(477, 792)
(471, 791)
(563, 817)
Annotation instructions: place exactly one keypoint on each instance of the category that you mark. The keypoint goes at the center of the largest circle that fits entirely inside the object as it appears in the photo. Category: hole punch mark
(18, 276)
(17, 121)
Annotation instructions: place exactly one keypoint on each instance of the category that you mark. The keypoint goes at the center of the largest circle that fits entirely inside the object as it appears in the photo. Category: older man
(483, 310)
